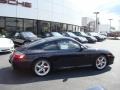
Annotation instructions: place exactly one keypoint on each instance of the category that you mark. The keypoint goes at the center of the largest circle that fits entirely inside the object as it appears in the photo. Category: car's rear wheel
(41, 67)
(100, 62)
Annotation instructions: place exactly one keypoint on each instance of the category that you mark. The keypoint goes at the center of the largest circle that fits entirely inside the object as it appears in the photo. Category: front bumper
(9, 49)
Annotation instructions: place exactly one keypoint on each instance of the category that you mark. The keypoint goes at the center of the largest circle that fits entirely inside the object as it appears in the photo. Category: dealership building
(38, 16)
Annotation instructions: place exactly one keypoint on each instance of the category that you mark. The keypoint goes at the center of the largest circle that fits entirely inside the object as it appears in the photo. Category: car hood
(5, 42)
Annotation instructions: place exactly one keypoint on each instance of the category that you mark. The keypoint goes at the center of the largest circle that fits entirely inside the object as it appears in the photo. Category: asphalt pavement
(68, 79)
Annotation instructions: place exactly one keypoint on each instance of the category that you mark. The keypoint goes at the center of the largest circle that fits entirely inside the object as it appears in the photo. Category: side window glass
(63, 45)
(50, 46)
(68, 45)
(46, 46)
(73, 45)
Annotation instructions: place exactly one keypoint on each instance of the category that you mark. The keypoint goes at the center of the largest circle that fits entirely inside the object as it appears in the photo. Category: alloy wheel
(101, 62)
(42, 68)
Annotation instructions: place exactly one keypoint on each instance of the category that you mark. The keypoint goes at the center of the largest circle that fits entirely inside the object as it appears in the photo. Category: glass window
(50, 46)
(74, 28)
(77, 28)
(55, 27)
(10, 31)
(45, 26)
(56, 34)
(28, 25)
(70, 28)
(46, 46)
(10, 27)
(2, 22)
(71, 34)
(35, 27)
(18, 35)
(64, 27)
(11, 22)
(28, 34)
(2, 26)
(68, 45)
(19, 24)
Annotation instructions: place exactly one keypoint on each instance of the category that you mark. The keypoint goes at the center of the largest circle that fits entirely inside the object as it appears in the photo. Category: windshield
(56, 34)
(28, 34)
(93, 33)
(83, 33)
(71, 34)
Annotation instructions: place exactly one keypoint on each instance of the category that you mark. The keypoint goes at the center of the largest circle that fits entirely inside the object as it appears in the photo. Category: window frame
(41, 46)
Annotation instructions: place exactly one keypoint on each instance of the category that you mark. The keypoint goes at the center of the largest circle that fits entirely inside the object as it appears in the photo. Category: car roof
(45, 40)
(55, 38)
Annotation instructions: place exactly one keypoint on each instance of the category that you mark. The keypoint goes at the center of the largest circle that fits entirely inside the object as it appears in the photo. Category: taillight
(18, 56)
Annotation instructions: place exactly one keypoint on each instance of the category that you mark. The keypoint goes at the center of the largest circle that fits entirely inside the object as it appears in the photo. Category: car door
(69, 54)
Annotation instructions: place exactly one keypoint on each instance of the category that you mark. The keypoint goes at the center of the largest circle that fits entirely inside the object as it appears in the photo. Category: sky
(109, 9)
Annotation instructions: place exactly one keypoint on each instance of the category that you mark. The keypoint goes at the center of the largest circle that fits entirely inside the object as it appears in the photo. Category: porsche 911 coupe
(58, 52)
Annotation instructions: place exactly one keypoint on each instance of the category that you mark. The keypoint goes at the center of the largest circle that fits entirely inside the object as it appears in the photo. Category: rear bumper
(21, 64)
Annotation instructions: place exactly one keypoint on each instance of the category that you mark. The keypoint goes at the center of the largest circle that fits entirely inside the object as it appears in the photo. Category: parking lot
(70, 79)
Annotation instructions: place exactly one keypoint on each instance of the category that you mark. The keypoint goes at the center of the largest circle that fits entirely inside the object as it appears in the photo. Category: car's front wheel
(100, 62)
(41, 67)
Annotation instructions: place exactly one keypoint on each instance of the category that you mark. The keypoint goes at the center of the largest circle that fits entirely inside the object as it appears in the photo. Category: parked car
(21, 38)
(6, 45)
(90, 39)
(52, 34)
(103, 33)
(97, 36)
(72, 35)
(58, 52)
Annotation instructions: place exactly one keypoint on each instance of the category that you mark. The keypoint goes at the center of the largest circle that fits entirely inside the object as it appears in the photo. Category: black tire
(41, 67)
(100, 62)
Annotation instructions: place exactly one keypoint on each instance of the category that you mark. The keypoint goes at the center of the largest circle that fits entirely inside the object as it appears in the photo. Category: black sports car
(21, 38)
(90, 39)
(81, 39)
(97, 36)
(57, 52)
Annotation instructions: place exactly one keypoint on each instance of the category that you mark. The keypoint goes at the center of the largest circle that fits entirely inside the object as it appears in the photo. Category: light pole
(110, 24)
(96, 22)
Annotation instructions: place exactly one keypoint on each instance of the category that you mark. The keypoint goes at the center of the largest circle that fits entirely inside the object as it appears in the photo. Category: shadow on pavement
(4, 53)
(9, 76)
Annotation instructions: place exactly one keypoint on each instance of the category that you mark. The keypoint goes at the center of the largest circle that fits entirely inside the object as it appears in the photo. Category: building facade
(38, 16)
(88, 24)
